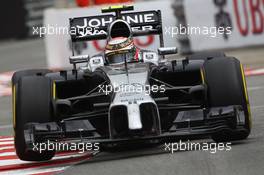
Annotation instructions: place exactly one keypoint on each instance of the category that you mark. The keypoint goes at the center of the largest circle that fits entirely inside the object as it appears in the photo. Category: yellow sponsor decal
(202, 75)
(54, 91)
(116, 7)
(246, 94)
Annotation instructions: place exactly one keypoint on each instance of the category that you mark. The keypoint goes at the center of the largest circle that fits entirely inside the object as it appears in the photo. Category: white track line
(48, 167)
(6, 143)
(6, 147)
(254, 72)
(6, 139)
(34, 171)
(8, 154)
(18, 161)
(257, 107)
(6, 126)
(255, 88)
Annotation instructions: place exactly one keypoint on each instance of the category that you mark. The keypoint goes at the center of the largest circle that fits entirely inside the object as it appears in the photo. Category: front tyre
(32, 97)
(226, 83)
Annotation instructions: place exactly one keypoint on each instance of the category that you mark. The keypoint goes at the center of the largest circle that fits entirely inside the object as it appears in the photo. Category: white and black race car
(204, 94)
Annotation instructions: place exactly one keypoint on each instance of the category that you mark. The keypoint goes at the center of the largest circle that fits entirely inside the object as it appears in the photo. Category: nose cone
(134, 120)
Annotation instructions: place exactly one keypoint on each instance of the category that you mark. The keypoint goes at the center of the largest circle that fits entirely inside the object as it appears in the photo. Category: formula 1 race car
(127, 95)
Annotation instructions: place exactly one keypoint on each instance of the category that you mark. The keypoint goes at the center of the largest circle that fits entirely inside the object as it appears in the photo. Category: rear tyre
(226, 83)
(31, 103)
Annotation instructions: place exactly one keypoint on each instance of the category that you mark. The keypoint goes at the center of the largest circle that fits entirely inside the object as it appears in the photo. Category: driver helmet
(120, 48)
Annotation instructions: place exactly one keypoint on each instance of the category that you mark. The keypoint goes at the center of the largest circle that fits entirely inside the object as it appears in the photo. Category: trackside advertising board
(56, 22)
(244, 17)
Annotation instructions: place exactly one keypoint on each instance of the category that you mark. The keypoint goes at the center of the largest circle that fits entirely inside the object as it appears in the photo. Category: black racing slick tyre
(32, 102)
(226, 84)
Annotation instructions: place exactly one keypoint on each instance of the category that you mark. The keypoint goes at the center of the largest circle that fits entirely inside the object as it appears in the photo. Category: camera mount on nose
(117, 9)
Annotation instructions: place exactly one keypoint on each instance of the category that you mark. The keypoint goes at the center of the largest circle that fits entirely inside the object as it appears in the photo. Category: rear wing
(95, 27)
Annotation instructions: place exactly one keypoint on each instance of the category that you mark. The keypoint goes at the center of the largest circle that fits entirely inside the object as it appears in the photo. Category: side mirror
(150, 57)
(74, 60)
(167, 50)
(79, 59)
(95, 62)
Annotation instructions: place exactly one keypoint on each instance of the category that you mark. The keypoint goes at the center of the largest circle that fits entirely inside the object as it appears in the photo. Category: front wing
(208, 122)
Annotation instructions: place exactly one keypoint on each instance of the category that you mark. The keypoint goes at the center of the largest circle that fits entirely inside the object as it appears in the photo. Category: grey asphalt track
(245, 157)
